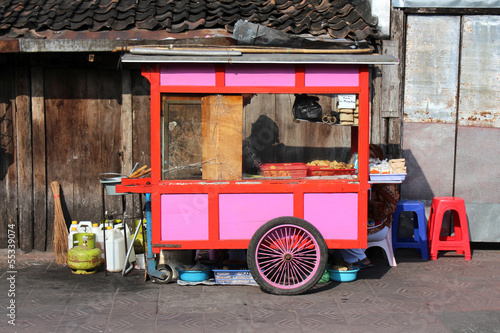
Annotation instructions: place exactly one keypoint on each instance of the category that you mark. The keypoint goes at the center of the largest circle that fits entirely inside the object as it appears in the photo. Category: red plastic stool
(460, 242)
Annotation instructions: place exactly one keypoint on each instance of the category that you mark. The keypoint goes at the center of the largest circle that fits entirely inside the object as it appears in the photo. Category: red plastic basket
(326, 171)
(294, 170)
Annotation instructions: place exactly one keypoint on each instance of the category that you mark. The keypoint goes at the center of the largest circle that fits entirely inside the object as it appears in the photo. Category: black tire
(287, 245)
(168, 274)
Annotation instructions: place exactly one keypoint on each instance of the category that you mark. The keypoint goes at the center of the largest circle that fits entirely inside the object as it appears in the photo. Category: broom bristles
(60, 229)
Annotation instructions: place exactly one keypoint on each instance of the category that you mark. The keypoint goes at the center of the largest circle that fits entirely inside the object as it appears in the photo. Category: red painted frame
(156, 186)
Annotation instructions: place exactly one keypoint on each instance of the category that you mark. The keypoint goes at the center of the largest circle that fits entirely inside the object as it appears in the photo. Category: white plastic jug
(99, 237)
(115, 250)
(73, 229)
(85, 226)
(125, 229)
(73, 224)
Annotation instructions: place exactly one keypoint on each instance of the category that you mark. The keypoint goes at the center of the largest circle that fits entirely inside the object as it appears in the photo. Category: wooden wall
(67, 122)
(66, 119)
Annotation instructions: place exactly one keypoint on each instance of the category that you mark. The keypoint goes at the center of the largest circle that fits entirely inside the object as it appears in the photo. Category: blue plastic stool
(419, 239)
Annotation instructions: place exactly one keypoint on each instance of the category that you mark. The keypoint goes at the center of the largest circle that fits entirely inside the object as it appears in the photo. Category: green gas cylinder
(84, 258)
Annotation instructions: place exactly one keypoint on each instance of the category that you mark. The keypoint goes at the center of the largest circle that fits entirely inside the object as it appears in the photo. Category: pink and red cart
(281, 222)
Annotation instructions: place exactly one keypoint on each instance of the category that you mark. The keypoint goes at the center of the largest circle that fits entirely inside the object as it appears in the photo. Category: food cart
(287, 224)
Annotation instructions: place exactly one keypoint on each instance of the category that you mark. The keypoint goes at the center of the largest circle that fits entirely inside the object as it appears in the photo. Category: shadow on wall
(64, 207)
(415, 186)
(6, 158)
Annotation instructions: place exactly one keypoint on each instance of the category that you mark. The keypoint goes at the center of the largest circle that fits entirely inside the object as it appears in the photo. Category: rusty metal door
(451, 130)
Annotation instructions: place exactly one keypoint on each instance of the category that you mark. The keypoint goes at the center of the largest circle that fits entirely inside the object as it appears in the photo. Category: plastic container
(85, 226)
(383, 177)
(139, 261)
(326, 171)
(73, 229)
(74, 224)
(343, 276)
(99, 237)
(109, 181)
(193, 276)
(115, 250)
(294, 170)
(126, 232)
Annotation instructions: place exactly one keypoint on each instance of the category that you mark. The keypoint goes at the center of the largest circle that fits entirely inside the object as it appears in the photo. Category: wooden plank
(40, 230)
(394, 133)
(222, 137)
(126, 123)
(141, 127)
(8, 158)
(377, 125)
(141, 138)
(25, 158)
(83, 137)
(391, 83)
(127, 133)
(98, 111)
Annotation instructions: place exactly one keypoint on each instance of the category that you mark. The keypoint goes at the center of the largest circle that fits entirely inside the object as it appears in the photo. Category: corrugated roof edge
(273, 58)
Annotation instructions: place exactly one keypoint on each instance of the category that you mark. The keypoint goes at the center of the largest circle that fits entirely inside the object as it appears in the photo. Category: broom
(60, 229)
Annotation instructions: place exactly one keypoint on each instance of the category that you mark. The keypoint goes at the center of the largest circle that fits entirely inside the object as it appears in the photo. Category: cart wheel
(168, 272)
(287, 256)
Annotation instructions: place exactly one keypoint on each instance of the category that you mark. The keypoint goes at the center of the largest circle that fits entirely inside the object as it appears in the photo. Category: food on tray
(395, 166)
(296, 170)
(377, 166)
(331, 165)
(398, 165)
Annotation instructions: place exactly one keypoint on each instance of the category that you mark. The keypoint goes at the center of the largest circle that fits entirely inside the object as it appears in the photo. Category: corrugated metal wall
(451, 130)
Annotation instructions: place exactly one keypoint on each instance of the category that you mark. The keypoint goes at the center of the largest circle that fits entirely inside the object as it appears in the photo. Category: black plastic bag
(307, 108)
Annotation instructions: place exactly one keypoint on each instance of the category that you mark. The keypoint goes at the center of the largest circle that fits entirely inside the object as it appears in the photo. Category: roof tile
(338, 18)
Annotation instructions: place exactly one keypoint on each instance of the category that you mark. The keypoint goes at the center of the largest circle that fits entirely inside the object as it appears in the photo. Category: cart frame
(294, 194)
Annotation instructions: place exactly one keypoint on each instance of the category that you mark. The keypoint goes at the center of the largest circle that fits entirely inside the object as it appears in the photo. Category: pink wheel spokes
(287, 256)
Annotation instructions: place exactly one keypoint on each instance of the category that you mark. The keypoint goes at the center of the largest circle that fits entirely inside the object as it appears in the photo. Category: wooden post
(24, 158)
(376, 121)
(42, 229)
(127, 133)
(395, 48)
(126, 122)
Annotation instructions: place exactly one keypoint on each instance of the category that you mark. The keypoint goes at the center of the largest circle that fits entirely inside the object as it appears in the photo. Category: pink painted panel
(187, 75)
(260, 76)
(331, 76)
(184, 217)
(334, 214)
(240, 215)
